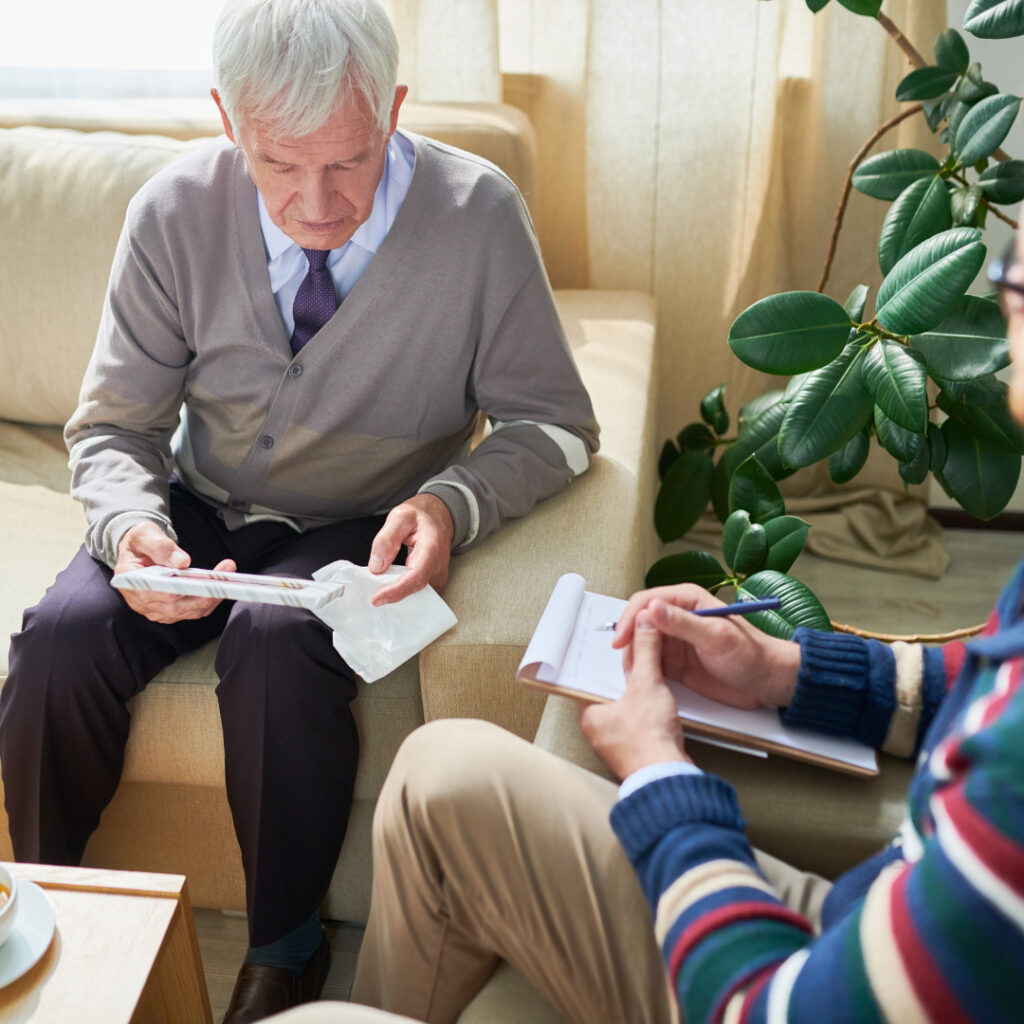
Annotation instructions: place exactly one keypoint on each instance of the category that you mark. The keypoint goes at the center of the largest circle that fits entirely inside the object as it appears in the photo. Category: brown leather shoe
(262, 991)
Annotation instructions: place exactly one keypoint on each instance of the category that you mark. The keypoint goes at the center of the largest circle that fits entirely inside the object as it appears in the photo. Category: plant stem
(901, 40)
(913, 638)
(848, 184)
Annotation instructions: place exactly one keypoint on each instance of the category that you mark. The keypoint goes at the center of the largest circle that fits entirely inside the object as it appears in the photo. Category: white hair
(286, 62)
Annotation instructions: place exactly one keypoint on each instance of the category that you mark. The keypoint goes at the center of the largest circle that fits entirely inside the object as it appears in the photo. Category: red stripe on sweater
(757, 986)
(992, 626)
(993, 848)
(953, 655)
(715, 919)
(928, 984)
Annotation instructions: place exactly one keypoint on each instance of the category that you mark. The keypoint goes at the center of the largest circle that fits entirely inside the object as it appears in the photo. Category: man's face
(318, 188)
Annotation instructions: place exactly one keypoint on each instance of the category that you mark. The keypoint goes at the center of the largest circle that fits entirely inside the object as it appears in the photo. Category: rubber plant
(873, 369)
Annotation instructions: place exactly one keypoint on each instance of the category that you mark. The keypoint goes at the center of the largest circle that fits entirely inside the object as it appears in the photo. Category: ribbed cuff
(648, 815)
(834, 691)
(457, 504)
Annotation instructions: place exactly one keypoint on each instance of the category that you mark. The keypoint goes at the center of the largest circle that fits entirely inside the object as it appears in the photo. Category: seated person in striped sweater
(488, 848)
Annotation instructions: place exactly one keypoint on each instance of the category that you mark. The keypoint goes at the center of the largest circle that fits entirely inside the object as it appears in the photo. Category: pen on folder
(766, 604)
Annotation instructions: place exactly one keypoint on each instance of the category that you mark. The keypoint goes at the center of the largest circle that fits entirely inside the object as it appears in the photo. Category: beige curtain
(695, 149)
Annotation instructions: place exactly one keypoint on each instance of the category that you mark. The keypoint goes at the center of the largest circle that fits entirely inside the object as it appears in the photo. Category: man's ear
(401, 91)
(228, 131)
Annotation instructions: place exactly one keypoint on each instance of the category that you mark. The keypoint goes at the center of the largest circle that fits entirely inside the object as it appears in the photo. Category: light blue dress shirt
(286, 262)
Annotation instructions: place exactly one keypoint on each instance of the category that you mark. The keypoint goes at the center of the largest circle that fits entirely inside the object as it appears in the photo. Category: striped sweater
(931, 928)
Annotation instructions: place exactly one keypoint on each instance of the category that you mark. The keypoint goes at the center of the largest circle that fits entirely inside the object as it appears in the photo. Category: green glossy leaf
(869, 8)
(848, 461)
(695, 437)
(786, 536)
(896, 379)
(751, 488)
(886, 175)
(958, 110)
(757, 405)
(828, 410)
(951, 51)
(712, 410)
(720, 477)
(965, 205)
(925, 84)
(981, 477)
(995, 19)
(902, 445)
(790, 333)
(751, 551)
(920, 211)
(683, 496)
(1003, 182)
(973, 87)
(799, 606)
(687, 567)
(669, 454)
(915, 472)
(815, 5)
(855, 303)
(982, 391)
(926, 284)
(969, 343)
(733, 528)
(760, 437)
(993, 424)
(933, 112)
(938, 449)
(984, 127)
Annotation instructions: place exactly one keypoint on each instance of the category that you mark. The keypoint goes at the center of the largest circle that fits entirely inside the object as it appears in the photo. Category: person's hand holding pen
(724, 658)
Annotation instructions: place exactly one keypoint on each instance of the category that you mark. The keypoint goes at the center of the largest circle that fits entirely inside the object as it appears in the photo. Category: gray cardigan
(193, 372)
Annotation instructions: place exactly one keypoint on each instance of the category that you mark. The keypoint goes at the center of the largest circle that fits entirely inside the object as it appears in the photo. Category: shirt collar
(369, 235)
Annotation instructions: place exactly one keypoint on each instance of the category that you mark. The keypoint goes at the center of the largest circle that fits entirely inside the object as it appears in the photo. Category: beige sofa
(62, 198)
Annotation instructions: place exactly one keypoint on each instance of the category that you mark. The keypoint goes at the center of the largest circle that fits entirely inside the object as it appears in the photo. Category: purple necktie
(315, 301)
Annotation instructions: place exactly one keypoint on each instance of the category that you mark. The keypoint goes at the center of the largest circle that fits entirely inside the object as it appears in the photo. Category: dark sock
(292, 951)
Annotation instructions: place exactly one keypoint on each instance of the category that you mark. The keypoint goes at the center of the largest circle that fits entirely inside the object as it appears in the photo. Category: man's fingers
(646, 651)
(389, 541)
(408, 583)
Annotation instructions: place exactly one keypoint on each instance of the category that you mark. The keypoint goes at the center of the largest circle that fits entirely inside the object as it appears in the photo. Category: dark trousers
(290, 743)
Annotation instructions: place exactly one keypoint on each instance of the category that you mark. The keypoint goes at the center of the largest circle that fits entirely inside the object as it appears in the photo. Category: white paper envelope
(375, 641)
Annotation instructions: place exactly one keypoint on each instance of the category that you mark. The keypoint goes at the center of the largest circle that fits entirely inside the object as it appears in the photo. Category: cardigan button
(266, 441)
(295, 370)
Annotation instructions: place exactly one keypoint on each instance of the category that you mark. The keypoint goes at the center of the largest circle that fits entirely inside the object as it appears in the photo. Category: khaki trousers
(488, 848)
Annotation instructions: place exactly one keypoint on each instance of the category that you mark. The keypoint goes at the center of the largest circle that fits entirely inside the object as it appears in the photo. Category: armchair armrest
(599, 526)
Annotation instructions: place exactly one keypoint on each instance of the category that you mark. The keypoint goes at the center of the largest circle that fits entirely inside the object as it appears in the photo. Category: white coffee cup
(9, 910)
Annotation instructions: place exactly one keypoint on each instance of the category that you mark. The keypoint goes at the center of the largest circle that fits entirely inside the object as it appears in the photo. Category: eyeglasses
(998, 273)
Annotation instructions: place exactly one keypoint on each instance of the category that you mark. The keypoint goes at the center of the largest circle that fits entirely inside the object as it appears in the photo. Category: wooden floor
(981, 564)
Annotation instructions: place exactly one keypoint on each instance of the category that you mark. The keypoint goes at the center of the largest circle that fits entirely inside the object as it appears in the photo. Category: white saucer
(32, 933)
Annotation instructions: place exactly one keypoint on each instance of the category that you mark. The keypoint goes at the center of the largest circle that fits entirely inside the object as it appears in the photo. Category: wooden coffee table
(124, 952)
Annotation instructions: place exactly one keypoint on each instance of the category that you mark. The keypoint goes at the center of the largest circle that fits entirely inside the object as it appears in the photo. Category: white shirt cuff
(652, 772)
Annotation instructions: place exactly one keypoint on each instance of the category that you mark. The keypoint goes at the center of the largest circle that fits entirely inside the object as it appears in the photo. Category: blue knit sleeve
(845, 686)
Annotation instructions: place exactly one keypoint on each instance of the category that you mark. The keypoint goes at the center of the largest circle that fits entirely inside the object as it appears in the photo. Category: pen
(765, 604)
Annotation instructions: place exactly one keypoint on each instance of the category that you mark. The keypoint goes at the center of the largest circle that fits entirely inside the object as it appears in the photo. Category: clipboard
(569, 654)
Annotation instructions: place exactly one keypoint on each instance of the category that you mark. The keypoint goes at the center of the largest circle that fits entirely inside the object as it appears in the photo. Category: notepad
(570, 654)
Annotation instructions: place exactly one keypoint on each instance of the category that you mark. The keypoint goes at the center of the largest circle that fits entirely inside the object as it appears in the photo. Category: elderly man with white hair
(302, 322)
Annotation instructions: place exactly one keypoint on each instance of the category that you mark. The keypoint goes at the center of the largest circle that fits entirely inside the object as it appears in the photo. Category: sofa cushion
(62, 200)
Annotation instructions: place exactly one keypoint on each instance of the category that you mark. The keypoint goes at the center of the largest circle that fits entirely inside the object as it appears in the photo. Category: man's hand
(146, 544)
(725, 659)
(642, 727)
(424, 525)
